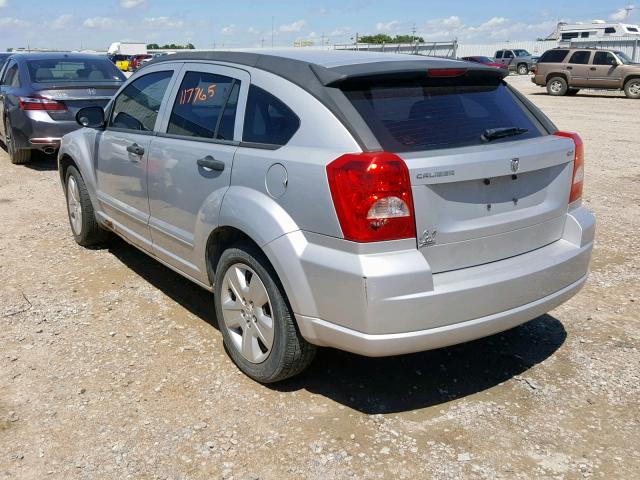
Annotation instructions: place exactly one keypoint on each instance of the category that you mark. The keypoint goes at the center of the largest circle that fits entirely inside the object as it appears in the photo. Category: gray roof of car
(56, 56)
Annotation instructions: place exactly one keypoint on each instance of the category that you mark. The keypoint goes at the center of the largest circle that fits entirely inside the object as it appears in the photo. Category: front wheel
(632, 88)
(255, 319)
(557, 86)
(523, 69)
(82, 220)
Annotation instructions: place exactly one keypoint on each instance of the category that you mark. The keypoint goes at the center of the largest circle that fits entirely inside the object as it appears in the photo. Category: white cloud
(98, 22)
(162, 22)
(492, 30)
(293, 27)
(10, 22)
(61, 22)
(133, 3)
(228, 29)
(386, 27)
(253, 31)
(4, 3)
(619, 15)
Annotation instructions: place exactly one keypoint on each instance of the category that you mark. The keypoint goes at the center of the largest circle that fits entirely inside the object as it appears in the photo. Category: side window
(609, 30)
(11, 77)
(199, 108)
(268, 120)
(499, 54)
(553, 56)
(508, 54)
(137, 106)
(581, 57)
(584, 34)
(604, 58)
(570, 35)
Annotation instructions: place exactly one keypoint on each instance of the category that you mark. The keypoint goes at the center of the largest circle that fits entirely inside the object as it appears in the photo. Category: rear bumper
(326, 334)
(37, 129)
(389, 302)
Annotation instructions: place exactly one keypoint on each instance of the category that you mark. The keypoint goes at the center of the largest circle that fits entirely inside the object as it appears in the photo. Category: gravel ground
(111, 366)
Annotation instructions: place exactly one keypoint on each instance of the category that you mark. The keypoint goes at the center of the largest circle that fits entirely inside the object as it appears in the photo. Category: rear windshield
(71, 70)
(429, 114)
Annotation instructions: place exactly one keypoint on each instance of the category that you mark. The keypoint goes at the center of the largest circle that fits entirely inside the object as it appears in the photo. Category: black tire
(290, 353)
(18, 156)
(573, 91)
(522, 69)
(90, 231)
(632, 88)
(557, 86)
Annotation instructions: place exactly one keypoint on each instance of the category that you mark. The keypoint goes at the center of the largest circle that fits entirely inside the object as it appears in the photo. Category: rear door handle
(592, 68)
(135, 149)
(210, 163)
(569, 68)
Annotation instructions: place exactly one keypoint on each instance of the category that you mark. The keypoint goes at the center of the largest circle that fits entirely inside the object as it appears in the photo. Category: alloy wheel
(634, 88)
(556, 86)
(247, 312)
(75, 207)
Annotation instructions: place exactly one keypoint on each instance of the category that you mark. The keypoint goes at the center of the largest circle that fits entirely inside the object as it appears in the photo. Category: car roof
(59, 56)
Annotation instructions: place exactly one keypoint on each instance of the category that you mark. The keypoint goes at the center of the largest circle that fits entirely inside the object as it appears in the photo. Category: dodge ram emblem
(515, 164)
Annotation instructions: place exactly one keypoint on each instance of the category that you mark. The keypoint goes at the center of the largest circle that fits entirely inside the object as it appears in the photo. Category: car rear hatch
(488, 181)
(77, 96)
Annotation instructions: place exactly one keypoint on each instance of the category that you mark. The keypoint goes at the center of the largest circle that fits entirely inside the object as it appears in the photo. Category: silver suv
(380, 204)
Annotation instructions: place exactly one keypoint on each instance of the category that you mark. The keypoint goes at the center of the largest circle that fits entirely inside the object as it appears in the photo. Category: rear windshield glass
(71, 70)
(416, 115)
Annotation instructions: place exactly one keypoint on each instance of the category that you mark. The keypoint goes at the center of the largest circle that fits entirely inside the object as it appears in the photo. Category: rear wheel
(573, 91)
(18, 156)
(557, 86)
(255, 319)
(523, 69)
(632, 88)
(82, 220)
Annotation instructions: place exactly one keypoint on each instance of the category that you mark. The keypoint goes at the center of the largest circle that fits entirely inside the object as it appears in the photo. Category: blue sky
(94, 25)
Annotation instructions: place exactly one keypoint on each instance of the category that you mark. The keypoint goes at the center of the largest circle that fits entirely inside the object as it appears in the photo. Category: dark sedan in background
(41, 93)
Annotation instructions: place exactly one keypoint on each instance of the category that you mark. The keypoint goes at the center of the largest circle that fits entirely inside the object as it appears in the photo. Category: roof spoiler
(396, 70)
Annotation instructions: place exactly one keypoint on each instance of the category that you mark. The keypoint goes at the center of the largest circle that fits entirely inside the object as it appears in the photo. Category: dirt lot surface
(111, 366)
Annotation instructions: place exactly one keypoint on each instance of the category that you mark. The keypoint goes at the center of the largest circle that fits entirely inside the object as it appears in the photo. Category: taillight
(372, 196)
(577, 180)
(40, 103)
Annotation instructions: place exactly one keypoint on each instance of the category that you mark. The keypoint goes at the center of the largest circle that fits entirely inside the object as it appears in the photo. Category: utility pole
(322, 41)
(262, 43)
(272, 28)
(628, 9)
(413, 33)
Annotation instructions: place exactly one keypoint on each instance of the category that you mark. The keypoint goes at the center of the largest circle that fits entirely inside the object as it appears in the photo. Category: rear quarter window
(553, 56)
(267, 119)
(438, 113)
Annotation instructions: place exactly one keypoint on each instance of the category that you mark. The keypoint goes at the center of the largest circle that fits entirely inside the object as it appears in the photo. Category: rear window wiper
(496, 133)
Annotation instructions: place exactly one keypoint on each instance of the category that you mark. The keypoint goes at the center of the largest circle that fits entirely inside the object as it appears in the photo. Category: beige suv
(564, 71)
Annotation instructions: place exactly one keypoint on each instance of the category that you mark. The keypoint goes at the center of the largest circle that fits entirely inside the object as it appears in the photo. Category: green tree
(153, 46)
(384, 38)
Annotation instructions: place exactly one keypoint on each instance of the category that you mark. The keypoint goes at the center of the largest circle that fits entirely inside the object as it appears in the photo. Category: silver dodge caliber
(375, 203)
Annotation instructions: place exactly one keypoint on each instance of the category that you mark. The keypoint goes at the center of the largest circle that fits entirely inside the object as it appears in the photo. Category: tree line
(384, 38)
(170, 46)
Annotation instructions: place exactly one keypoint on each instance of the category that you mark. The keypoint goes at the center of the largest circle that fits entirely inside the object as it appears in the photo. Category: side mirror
(91, 117)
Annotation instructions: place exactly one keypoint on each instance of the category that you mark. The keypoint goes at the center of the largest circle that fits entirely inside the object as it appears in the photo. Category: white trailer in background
(127, 48)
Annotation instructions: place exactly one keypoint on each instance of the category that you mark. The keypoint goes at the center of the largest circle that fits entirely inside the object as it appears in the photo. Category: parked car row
(516, 60)
(131, 63)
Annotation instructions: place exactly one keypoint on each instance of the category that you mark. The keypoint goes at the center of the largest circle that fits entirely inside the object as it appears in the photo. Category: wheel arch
(555, 74)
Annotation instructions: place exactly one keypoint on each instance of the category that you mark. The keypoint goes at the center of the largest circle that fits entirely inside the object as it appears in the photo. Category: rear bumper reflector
(45, 141)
